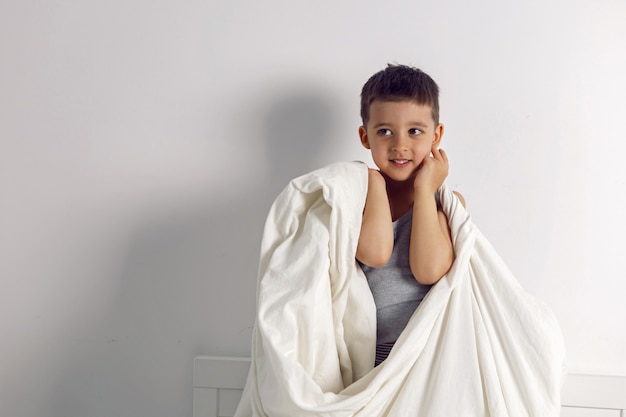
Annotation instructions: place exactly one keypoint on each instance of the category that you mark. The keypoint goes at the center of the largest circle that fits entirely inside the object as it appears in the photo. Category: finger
(436, 153)
(444, 156)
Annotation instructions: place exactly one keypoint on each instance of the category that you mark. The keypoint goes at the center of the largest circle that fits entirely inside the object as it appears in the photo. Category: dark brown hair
(399, 83)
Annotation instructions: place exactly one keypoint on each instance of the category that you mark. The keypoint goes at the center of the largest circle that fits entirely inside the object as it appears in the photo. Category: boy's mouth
(400, 162)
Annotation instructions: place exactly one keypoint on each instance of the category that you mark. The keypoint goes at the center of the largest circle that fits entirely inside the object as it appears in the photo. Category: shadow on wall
(298, 130)
(188, 282)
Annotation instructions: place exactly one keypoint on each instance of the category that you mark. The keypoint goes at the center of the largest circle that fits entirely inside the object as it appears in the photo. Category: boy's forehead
(392, 109)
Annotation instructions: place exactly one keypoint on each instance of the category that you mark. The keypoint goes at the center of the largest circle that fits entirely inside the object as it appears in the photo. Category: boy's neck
(401, 195)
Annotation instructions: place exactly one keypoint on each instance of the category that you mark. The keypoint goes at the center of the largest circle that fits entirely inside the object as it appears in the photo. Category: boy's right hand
(374, 177)
(376, 238)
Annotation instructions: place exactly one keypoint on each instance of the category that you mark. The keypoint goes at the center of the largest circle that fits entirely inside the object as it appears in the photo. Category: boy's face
(400, 134)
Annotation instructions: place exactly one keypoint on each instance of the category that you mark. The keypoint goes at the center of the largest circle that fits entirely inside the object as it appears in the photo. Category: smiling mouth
(400, 162)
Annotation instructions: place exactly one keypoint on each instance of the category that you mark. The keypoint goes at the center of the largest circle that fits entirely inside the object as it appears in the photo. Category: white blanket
(478, 345)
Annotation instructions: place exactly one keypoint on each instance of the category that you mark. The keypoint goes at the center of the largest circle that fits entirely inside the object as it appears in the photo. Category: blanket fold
(478, 344)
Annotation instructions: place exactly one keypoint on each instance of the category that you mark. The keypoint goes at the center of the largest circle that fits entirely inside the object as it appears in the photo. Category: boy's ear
(364, 139)
(438, 135)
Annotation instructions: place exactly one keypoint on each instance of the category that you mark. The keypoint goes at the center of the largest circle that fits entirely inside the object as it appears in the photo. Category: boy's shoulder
(460, 197)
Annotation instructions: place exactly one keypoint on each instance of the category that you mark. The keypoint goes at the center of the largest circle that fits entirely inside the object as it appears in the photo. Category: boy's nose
(400, 143)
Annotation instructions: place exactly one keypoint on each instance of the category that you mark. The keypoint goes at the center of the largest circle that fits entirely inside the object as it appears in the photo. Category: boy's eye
(414, 131)
(384, 132)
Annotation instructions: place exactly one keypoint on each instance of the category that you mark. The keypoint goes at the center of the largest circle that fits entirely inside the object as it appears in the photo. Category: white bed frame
(218, 381)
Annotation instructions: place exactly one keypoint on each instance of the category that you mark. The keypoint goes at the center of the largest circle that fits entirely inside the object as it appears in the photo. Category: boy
(313, 339)
(404, 245)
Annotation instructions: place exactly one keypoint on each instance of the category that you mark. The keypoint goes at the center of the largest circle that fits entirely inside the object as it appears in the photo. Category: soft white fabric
(478, 345)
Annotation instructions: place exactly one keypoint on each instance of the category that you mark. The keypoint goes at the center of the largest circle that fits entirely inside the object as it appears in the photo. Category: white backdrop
(142, 142)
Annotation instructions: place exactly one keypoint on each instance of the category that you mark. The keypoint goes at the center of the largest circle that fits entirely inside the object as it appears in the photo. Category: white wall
(142, 142)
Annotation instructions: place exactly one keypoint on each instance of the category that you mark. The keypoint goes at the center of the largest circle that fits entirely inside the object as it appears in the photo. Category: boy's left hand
(433, 171)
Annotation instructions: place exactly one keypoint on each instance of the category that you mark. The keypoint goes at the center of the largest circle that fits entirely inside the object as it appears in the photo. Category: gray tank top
(396, 292)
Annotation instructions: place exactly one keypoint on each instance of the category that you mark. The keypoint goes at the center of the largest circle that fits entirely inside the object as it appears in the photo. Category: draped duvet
(478, 344)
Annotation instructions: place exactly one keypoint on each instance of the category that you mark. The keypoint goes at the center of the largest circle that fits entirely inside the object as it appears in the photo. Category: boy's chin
(401, 180)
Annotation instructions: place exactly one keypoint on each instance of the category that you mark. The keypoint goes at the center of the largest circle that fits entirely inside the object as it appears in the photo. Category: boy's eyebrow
(414, 123)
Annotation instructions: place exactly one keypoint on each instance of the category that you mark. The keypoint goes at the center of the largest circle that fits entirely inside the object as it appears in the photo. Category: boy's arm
(431, 252)
(376, 238)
